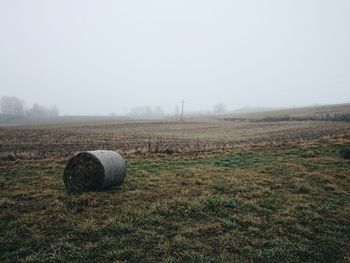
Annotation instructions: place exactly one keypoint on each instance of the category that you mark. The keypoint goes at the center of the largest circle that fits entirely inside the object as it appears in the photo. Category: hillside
(303, 112)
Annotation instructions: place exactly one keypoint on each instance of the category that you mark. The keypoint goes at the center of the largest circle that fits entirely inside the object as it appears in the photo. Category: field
(196, 191)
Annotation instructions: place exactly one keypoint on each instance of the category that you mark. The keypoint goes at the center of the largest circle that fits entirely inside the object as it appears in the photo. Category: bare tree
(12, 106)
(54, 112)
(219, 108)
(146, 111)
(140, 111)
(38, 111)
(158, 111)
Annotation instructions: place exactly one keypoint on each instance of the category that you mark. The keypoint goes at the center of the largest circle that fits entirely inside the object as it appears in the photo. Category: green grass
(268, 205)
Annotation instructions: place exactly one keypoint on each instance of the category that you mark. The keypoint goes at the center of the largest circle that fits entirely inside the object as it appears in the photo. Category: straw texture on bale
(94, 171)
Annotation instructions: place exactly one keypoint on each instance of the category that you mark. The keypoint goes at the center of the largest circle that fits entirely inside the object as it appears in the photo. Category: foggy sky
(98, 57)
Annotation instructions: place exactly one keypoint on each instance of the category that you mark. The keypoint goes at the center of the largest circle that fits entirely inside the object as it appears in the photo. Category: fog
(99, 57)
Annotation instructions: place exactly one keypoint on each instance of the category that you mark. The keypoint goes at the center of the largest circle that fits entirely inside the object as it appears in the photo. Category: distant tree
(54, 112)
(12, 106)
(219, 108)
(158, 111)
(146, 111)
(38, 111)
(142, 111)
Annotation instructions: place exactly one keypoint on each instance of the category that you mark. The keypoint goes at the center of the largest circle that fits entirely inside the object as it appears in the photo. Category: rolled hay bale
(94, 171)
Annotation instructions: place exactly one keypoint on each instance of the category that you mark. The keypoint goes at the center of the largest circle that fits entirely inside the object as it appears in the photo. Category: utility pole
(182, 110)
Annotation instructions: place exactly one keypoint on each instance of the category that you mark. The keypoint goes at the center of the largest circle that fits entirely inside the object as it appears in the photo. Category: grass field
(198, 191)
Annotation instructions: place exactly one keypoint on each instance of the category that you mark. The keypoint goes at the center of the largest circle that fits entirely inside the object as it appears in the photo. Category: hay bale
(94, 171)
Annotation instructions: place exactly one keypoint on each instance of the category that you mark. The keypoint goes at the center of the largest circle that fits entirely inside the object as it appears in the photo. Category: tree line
(15, 107)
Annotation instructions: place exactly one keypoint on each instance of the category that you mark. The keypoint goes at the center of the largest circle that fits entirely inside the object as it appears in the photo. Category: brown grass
(279, 195)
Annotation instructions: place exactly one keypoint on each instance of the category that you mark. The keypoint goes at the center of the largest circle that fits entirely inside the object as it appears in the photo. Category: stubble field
(196, 191)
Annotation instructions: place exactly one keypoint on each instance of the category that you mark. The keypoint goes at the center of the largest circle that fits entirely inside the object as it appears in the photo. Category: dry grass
(140, 138)
(267, 200)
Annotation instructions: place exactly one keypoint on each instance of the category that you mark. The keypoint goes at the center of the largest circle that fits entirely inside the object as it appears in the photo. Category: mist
(102, 57)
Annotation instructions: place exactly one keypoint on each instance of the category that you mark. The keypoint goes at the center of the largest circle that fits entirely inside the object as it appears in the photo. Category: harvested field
(200, 191)
(158, 137)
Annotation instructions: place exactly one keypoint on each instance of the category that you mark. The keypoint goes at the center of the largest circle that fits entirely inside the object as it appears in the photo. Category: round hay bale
(94, 171)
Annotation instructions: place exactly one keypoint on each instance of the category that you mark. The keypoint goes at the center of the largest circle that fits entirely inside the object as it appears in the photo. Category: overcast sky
(98, 57)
